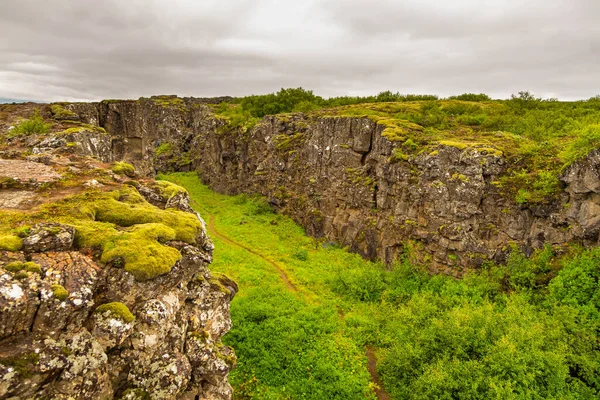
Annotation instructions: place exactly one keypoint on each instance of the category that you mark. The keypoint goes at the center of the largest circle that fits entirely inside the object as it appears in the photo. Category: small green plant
(33, 125)
(301, 255)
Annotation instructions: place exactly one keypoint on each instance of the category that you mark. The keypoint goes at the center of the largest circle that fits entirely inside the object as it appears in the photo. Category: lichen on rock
(97, 281)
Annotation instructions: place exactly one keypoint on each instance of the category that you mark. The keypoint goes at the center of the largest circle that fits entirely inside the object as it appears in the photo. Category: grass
(520, 331)
(289, 344)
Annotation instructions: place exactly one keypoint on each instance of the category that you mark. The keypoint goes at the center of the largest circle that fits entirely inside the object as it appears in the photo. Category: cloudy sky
(90, 50)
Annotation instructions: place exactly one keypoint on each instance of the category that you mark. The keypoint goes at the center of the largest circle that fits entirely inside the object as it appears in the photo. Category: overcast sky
(90, 50)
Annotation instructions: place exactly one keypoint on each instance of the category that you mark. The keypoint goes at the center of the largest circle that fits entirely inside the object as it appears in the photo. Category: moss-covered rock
(59, 112)
(123, 168)
(59, 292)
(118, 310)
(18, 266)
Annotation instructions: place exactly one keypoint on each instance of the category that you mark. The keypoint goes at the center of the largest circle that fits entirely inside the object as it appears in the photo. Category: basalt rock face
(72, 327)
(339, 178)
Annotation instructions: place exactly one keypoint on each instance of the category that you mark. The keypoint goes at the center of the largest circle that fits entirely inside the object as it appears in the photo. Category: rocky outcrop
(74, 328)
(341, 178)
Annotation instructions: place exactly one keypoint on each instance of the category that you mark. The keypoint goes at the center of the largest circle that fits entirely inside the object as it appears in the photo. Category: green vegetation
(59, 292)
(167, 189)
(118, 310)
(539, 138)
(18, 266)
(527, 330)
(163, 149)
(236, 117)
(123, 168)
(59, 112)
(121, 224)
(82, 128)
(10, 242)
(172, 102)
(33, 125)
(139, 249)
(24, 364)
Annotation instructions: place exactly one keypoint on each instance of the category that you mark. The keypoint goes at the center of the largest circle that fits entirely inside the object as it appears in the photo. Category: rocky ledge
(105, 291)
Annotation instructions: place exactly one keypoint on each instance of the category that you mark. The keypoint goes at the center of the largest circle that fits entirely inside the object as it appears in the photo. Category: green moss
(58, 111)
(172, 102)
(29, 266)
(24, 365)
(144, 257)
(118, 310)
(82, 128)
(121, 224)
(216, 282)
(59, 292)
(459, 177)
(123, 168)
(455, 144)
(168, 189)
(163, 148)
(398, 155)
(289, 142)
(397, 130)
(10, 242)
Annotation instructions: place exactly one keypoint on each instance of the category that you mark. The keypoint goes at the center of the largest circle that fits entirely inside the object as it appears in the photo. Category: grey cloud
(88, 50)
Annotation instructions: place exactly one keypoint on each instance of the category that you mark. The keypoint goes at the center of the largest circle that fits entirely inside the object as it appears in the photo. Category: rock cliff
(347, 181)
(105, 290)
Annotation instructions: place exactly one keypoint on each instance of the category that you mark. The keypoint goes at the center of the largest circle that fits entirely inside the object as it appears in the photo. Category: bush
(301, 255)
(471, 97)
(587, 140)
(30, 126)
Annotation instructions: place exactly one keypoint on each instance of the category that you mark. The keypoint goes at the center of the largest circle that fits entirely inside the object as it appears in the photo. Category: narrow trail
(372, 366)
(213, 231)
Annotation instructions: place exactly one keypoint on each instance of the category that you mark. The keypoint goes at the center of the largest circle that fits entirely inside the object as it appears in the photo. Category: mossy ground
(58, 111)
(504, 332)
(120, 224)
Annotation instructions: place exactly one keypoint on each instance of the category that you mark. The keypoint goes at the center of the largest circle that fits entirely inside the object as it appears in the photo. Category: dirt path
(213, 231)
(372, 366)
